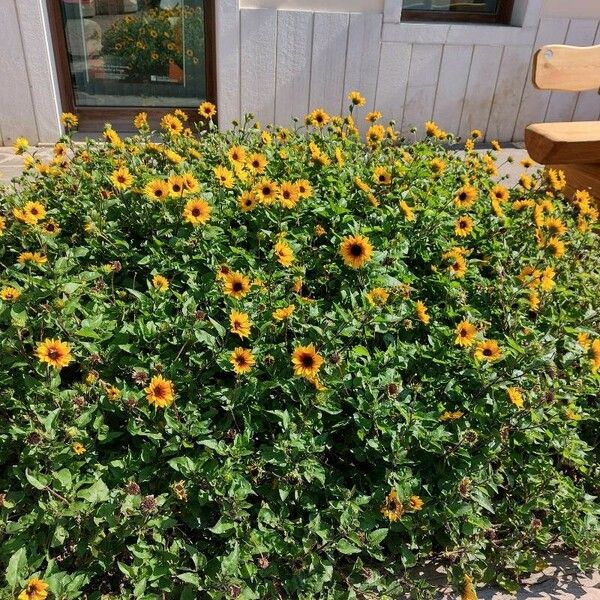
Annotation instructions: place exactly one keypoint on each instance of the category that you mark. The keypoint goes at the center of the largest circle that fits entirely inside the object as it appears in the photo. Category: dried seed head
(200, 315)
(234, 591)
(392, 389)
(179, 490)
(549, 396)
(231, 433)
(470, 437)
(34, 438)
(132, 488)
(464, 487)
(140, 377)
(148, 504)
(96, 359)
(504, 433)
(335, 358)
(263, 562)
(536, 523)
(116, 266)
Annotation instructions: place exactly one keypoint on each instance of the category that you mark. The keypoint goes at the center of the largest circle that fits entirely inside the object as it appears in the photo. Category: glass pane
(472, 6)
(136, 52)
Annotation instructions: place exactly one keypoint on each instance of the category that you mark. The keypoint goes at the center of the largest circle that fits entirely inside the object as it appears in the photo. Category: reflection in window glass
(477, 6)
(136, 52)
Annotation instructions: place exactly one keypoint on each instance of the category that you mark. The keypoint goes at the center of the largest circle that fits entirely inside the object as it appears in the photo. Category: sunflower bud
(148, 504)
(132, 488)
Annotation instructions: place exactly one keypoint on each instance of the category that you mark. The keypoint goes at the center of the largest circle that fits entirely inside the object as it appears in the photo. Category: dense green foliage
(270, 483)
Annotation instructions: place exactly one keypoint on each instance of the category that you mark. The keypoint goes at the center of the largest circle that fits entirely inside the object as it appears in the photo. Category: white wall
(463, 76)
(29, 104)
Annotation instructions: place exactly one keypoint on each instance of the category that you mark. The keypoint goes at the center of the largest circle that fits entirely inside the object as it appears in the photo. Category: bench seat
(564, 143)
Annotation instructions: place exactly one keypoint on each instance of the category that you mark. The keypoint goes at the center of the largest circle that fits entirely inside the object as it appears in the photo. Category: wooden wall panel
(294, 51)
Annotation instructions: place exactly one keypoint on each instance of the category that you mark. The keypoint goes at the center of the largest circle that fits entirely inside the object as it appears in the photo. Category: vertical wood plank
(509, 87)
(534, 102)
(392, 80)
(562, 104)
(258, 47)
(422, 83)
(452, 84)
(362, 61)
(480, 88)
(227, 27)
(37, 50)
(294, 48)
(588, 103)
(330, 39)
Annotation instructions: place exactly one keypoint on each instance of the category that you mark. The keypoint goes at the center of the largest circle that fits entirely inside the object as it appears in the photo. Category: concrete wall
(278, 58)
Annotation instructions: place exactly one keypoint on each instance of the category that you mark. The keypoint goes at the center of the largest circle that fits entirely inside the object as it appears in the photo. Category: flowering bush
(266, 363)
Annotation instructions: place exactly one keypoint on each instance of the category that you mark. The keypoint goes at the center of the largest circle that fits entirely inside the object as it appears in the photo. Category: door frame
(92, 118)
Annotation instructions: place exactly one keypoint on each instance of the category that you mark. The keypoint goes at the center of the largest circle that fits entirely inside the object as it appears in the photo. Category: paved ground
(559, 581)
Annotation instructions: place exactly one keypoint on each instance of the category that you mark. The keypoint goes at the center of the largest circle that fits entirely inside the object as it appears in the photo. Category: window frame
(502, 16)
(92, 118)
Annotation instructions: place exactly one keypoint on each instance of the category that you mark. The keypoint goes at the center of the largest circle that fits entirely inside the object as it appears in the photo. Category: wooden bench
(572, 147)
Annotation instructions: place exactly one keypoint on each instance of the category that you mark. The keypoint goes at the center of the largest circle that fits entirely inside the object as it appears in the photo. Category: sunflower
(556, 179)
(432, 129)
(236, 285)
(288, 194)
(319, 118)
(356, 250)
(595, 350)
(409, 214)
(10, 294)
(382, 176)
(392, 508)
(31, 213)
(306, 361)
(196, 212)
(378, 296)
(284, 313)
(242, 360)
(458, 267)
(68, 119)
(121, 178)
(284, 254)
(547, 280)
(21, 145)
(140, 120)
(78, 448)
(469, 592)
(304, 188)
(465, 197)
(2, 225)
(33, 257)
(463, 226)
(555, 226)
(240, 323)
(247, 201)
(36, 589)
(176, 186)
(583, 339)
(357, 99)
(421, 311)
(257, 162)
(375, 135)
(488, 350)
(207, 110)
(465, 334)
(438, 166)
(266, 191)
(161, 283)
(515, 396)
(556, 247)
(160, 392)
(190, 183)
(224, 176)
(525, 181)
(54, 352)
(499, 193)
(451, 415)
(373, 116)
(415, 503)
(157, 189)
(237, 154)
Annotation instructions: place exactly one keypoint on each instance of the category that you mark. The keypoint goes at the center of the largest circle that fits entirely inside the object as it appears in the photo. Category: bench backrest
(567, 68)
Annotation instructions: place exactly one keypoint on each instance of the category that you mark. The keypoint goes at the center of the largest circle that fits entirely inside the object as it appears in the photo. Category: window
(470, 11)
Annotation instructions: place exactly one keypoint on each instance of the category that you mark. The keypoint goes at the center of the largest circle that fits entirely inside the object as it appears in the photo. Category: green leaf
(35, 480)
(17, 567)
(346, 547)
(377, 536)
(97, 492)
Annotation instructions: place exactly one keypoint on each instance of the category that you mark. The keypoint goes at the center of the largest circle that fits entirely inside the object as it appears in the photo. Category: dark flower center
(487, 352)
(237, 286)
(307, 361)
(356, 250)
(53, 353)
(196, 212)
(462, 196)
